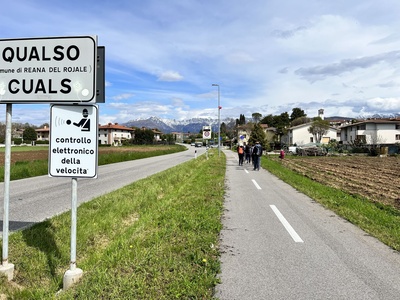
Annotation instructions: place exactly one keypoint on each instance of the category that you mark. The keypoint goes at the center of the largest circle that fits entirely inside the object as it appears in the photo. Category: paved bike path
(279, 244)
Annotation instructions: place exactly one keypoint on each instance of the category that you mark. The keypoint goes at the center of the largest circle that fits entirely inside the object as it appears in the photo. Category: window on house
(397, 126)
(361, 127)
(361, 138)
(397, 137)
(311, 140)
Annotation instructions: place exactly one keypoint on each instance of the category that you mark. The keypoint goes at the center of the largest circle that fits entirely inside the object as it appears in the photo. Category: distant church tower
(321, 113)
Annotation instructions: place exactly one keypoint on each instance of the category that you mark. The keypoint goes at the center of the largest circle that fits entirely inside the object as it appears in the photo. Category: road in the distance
(35, 199)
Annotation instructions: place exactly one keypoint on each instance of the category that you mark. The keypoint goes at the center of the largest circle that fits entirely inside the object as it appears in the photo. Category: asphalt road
(279, 244)
(35, 199)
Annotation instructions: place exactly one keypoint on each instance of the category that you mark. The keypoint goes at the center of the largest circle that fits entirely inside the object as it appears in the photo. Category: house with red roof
(43, 134)
(114, 134)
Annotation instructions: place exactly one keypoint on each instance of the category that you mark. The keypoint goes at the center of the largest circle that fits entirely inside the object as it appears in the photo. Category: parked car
(198, 144)
(292, 150)
(193, 144)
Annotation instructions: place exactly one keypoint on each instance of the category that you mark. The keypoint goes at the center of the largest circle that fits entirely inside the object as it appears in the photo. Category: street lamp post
(219, 121)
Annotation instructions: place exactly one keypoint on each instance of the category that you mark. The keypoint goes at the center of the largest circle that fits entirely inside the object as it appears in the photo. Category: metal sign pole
(7, 268)
(73, 274)
(74, 200)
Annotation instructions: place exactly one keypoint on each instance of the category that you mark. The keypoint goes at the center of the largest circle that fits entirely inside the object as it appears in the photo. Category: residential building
(17, 133)
(178, 136)
(372, 132)
(299, 135)
(43, 134)
(157, 135)
(114, 134)
(243, 134)
(156, 132)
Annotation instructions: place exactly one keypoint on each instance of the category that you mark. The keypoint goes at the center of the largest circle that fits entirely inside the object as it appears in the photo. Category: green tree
(258, 134)
(169, 138)
(318, 128)
(297, 113)
(29, 134)
(2, 132)
(241, 120)
(281, 122)
(256, 117)
(144, 137)
(269, 120)
(223, 128)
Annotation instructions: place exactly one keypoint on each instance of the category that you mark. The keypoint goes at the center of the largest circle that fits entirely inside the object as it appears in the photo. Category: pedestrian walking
(241, 155)
(247, 153)
(257, 153)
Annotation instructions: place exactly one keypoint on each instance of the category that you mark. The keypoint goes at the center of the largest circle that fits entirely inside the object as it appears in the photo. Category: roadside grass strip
(153, 239)
(379, 220)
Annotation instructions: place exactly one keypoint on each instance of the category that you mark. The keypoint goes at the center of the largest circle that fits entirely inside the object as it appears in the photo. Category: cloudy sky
(267, 56)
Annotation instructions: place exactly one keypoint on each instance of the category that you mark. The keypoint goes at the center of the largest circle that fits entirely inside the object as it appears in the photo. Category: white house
(114, 134)
(299, 135)
(372, 132)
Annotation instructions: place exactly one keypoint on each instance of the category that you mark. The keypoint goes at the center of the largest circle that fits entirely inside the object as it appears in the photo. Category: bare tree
(374, 142)
(318, 129)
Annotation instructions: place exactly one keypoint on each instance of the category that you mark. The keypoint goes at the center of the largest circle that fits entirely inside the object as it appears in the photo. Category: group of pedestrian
(250, 154)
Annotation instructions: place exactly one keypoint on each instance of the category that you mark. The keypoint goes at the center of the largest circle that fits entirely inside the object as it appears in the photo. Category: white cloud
(170, 76)
(123, 96)
(239, 58)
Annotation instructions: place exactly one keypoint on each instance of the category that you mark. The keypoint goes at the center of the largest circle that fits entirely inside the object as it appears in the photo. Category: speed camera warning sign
(73, 148)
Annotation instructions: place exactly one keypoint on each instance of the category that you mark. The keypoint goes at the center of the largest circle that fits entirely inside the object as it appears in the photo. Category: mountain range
(194, 125)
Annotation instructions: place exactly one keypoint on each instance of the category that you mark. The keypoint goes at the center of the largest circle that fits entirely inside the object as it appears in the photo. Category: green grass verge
(153, 239)
(380, 221)
(26, 169)
(25, 148)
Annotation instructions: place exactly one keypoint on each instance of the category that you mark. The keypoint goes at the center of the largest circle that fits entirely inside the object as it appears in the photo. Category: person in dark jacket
(247, 153)
(257, 152)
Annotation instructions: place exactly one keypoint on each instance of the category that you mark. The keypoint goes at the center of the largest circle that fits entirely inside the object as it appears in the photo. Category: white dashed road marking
(286, 224)
(256, 184)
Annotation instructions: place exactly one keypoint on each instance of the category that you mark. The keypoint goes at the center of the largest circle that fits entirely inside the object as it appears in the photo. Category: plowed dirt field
(375, 178)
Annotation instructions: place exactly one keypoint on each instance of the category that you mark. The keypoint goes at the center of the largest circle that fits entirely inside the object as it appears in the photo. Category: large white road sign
(73, 150)
(48, 70)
